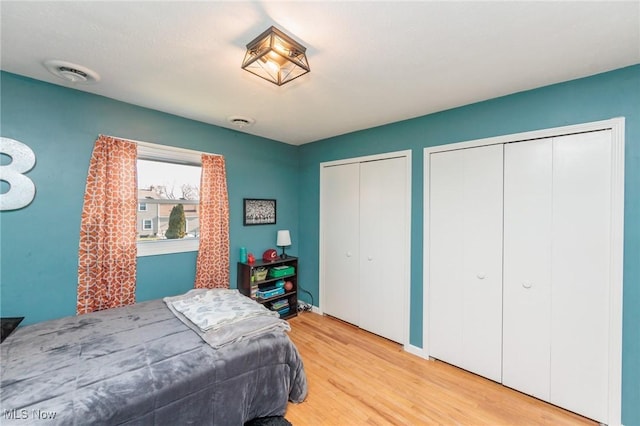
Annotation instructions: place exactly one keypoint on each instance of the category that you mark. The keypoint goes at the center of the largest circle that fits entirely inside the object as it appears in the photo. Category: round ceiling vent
(72, 73)
(241, 122)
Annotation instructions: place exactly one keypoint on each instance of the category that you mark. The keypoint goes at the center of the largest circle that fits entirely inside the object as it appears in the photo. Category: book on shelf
(280, 304)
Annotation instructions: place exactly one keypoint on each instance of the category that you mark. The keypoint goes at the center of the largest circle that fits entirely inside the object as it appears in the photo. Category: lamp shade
(276, 57)
(284, 238)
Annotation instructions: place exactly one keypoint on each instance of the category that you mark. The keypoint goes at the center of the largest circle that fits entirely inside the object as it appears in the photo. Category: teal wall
(39, 243)
(601, 97)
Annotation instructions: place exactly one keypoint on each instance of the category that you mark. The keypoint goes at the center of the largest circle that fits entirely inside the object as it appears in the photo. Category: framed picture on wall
(259, 211)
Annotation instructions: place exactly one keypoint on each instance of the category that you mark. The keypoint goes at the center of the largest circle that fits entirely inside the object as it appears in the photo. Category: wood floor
(357, 378)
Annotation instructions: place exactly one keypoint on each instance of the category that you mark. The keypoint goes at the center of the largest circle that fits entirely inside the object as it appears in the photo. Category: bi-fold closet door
(364, 223)
(557, 254)
(519, 259)
(465, 292)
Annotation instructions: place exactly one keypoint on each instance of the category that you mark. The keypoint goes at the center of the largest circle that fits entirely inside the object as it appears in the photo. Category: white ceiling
(372, 62)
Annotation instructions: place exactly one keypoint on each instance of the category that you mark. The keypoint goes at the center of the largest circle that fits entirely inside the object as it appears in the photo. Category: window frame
(144, 221)
(142, 206)
(175, 155)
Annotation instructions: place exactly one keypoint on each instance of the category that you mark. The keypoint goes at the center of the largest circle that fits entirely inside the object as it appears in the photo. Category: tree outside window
(177, 223)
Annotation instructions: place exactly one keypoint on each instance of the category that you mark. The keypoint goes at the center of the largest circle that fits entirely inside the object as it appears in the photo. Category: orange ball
(288, 285)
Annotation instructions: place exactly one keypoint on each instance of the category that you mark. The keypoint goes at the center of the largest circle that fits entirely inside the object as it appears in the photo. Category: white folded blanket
(224, 316)
(210, 309)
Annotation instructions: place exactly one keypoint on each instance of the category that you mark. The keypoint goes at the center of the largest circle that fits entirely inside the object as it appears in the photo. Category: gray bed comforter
(140, 365)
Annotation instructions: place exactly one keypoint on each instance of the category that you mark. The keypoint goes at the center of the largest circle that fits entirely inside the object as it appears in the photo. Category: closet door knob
(369, 258)
(481, 276)
(349, 254)
(527, 284)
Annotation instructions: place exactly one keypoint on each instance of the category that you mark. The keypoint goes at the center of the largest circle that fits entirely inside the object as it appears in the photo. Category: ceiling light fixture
(276, 57)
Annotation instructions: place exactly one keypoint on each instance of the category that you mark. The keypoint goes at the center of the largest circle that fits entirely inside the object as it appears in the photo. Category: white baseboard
(414, 350)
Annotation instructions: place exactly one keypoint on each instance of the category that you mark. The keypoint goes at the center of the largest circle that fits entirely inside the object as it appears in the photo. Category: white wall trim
(617, 126)
(406, 279)
(414, 350)
(374, 157)
(154, 248)
(616, 272)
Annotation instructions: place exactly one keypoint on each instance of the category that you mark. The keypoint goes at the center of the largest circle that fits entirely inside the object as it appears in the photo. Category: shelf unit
(248, 286)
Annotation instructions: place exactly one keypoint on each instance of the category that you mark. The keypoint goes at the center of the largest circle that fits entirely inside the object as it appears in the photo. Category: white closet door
(383, 266)
(465, 258)
(580, 270)
(527, 266)
(341, 241)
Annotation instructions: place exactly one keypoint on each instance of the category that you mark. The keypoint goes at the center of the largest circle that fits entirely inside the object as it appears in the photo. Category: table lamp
(283, 240)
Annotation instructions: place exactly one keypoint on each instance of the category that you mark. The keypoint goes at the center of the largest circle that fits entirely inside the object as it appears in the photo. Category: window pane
(170, 193)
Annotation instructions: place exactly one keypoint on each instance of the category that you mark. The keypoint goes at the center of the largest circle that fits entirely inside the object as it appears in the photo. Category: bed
(141, 364)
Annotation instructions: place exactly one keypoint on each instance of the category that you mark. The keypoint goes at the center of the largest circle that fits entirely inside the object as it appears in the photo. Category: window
(168, 199)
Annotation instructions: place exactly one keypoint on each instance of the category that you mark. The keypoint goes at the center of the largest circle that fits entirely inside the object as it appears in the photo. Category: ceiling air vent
(71, 72)
(73, 75)
(241, 121)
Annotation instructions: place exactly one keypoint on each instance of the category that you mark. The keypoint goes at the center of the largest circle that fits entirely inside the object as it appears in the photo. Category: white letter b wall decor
(22, 190)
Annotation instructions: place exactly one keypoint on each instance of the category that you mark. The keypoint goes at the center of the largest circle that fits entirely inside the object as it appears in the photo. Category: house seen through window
(168, 197)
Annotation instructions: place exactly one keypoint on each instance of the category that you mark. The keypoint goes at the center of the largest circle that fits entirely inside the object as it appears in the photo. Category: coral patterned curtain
(212, 267)
(107, 254)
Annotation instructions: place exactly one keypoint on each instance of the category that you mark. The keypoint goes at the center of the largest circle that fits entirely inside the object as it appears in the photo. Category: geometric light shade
(276, 57)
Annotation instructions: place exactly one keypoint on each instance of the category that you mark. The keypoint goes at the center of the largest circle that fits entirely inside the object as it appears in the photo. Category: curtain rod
(171, 148)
